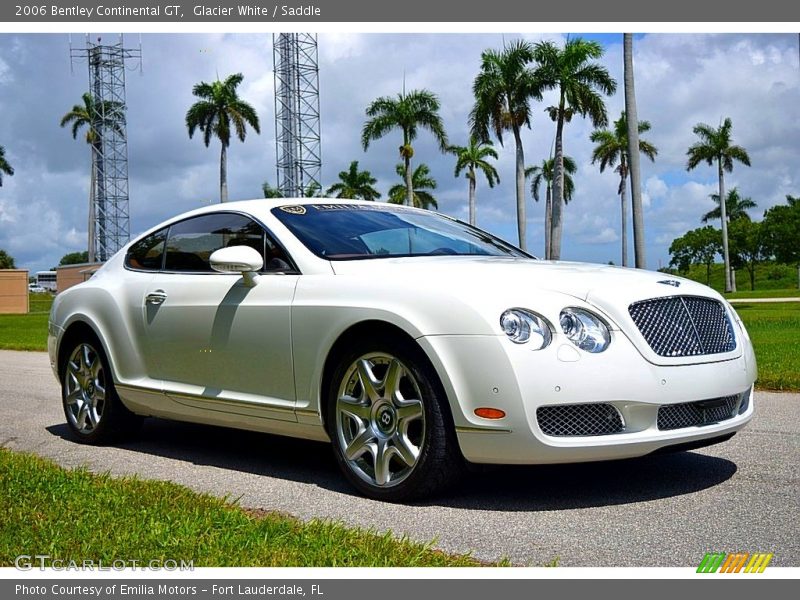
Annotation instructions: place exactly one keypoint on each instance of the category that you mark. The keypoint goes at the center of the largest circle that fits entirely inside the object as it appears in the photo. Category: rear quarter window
(148, 253)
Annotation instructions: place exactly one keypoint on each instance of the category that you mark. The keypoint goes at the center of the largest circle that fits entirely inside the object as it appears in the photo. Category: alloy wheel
(85, 389)
(380, 419)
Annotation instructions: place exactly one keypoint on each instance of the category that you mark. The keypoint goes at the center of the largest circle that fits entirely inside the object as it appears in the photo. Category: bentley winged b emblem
(672, 282)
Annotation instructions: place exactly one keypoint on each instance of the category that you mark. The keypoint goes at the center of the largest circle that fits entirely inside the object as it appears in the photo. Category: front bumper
(488, 371)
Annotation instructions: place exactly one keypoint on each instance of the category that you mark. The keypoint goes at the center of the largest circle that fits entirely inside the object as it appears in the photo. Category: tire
(392, 437)
(94, 412)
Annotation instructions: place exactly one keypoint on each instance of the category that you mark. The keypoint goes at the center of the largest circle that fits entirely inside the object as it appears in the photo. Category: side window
(275, 259)
(191, 242)
(147, 253)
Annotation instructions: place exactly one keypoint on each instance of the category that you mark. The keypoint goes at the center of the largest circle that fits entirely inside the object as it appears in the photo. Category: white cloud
(681, 79)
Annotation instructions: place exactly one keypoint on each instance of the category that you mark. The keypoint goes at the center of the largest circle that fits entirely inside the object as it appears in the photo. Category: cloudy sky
(681, 80)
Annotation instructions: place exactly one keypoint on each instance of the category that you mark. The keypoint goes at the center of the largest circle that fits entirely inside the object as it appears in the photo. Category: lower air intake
(579, 420)
(696, 414)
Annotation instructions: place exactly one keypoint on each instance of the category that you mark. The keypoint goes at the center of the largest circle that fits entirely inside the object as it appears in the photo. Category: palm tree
(503, 91)
(640, 260)
(545, 172)
(473, 158)
(5, 167)
(421, 182)
(313, 190)
(355, 184)
(408, 112)
(715, 145)
(736, 207)
(580, 83)
(96, 117)
(612, 148)
(219, 109)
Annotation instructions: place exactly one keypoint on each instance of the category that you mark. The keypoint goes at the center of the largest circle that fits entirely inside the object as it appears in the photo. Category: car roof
(261, 207)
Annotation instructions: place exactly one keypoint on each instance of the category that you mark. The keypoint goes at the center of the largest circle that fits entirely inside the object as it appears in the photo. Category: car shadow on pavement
(233, 449)
(502, 488)
(585, 485)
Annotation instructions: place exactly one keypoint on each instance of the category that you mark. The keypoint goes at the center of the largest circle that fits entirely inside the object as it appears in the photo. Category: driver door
(214, 342)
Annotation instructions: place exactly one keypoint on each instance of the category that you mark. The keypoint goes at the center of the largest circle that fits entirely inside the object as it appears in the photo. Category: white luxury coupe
(409, 339)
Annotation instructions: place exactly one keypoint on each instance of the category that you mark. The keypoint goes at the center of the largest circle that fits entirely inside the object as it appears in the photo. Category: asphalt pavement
(666, 510)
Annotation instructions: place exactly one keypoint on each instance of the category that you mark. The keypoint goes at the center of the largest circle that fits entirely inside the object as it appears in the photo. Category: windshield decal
(294, 209)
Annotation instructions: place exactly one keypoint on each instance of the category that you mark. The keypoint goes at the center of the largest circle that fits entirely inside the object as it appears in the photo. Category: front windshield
(352, 231)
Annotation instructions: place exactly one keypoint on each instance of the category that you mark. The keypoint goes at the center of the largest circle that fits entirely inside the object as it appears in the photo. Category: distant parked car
(36, 289)
(410, 340)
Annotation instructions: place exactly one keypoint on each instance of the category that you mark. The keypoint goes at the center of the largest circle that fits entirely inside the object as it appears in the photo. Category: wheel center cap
(385, 419)
(90, 388)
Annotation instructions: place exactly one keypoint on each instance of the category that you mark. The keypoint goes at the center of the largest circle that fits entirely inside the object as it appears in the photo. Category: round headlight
(523, 326)
(587, 331)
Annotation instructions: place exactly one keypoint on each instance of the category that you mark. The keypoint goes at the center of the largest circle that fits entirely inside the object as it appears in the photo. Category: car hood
(604, 285)
(495, 283)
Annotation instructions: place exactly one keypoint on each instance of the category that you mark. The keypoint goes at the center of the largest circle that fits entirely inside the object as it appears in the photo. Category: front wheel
(387, 419)
(94, 412)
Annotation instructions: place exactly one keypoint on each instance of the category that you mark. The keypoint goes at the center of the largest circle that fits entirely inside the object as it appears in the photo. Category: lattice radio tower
(109, 219)
(297, 122)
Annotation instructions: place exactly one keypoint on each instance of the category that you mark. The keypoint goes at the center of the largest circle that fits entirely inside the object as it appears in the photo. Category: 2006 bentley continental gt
(410, 340)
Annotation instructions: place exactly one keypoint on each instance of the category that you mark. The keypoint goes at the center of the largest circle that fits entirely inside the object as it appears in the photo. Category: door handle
(155, 298)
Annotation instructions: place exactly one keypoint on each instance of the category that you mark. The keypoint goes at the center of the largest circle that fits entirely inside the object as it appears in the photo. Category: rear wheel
(388, 423)
(94, 412)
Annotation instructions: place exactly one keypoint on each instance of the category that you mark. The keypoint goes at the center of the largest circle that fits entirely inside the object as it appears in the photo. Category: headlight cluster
(583, 328)
(587, 331)
(523, 326)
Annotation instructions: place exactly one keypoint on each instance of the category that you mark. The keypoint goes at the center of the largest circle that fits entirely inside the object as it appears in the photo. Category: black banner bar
(385, 589)
(441, 11)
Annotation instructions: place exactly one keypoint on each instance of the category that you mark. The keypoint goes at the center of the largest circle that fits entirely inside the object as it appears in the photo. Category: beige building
(70, 275)
(14, 291)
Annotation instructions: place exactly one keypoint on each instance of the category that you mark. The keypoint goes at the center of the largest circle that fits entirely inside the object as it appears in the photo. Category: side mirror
(238, 259)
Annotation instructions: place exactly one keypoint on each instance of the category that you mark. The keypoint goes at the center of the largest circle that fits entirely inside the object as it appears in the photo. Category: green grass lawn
(775, 331)
(40, 303)
(784, 293)
(77, 515)
(771, 280)
(27, 332)
(23, 332)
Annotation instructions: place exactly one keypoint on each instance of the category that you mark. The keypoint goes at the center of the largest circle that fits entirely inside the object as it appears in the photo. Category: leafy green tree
(474, 158)
(217, 113)
(580, 83)
(545, 172)
(422, 184)
(781, 231)
(270, 192)
(736, 207)
(6, 260)
(355, 184)
(746, 246)
(5, 166)
(503, 91)
(313, 190)
(408, 112)
(74, 258)
(611, 150)
(716, 146)
(95, 117)
(696, 247)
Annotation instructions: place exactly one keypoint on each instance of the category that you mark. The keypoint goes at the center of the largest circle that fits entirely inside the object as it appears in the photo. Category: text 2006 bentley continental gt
(410, 340)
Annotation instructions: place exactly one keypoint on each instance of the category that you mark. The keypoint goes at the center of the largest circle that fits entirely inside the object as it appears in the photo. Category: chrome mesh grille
(695, 414)
(684, 325)
(579, 420)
